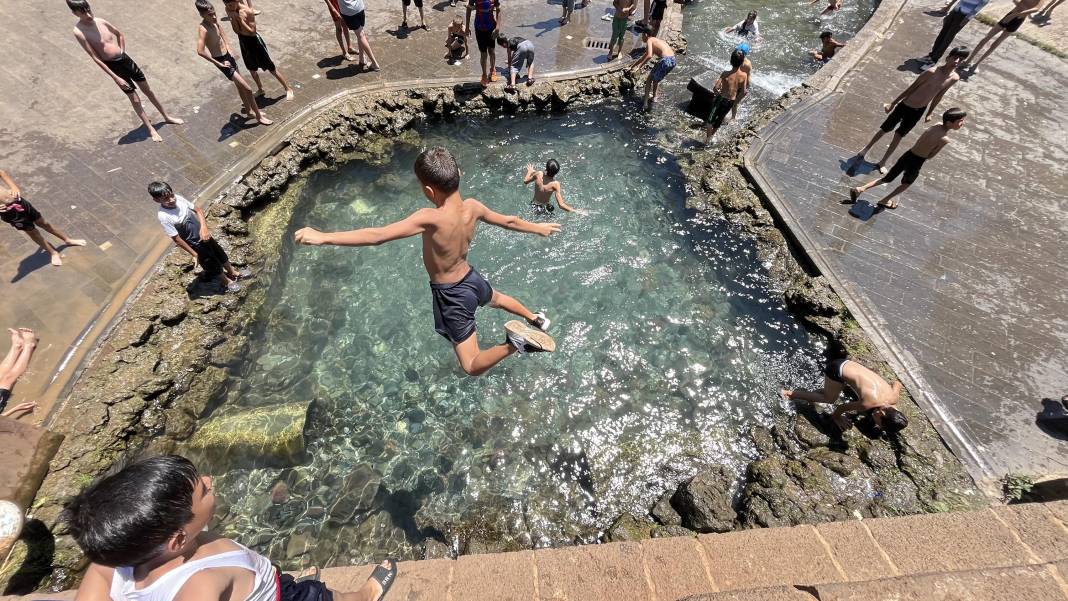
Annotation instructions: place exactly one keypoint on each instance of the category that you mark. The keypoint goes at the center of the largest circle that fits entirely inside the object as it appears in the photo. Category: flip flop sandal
(385, 577)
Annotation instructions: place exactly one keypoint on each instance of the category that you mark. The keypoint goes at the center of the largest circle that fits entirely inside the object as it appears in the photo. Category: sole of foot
(75, 242)
(290, 95)
(532, 335)
(156, 137)
(57, 261)
(175, 121)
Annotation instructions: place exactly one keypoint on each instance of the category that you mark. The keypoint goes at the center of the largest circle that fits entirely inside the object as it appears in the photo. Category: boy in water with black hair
(143, 529)
(925, 92)
(546, 187)
(187, 226)
(828, 47)
(107, 47)
(931, 142)
(456, 288)
(213, 47)
(253, 48)
(728, 88)
(876, 396)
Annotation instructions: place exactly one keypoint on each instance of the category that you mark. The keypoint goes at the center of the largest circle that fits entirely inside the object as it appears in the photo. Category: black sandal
(385, 576)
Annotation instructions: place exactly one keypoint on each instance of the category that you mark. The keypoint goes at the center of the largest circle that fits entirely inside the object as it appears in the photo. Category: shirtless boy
(213, 47)
(726, 89)
(106, 45)
(905, 111)
(253, 49)
(1005, 27)
(620, 20)
(456, 288)
(23, 216)
(747, 68)
(876, 396)
(654, 46)
(545, 188)
(828, 47)
(456, 40)
(931, 142)
(832, 6)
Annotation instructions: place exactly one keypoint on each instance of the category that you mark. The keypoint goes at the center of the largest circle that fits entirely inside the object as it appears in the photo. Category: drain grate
(598, 43)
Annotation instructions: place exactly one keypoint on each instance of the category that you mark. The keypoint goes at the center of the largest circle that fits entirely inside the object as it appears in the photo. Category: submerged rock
(260, 437)
(628, 528)
(359, 490)
(705, 501)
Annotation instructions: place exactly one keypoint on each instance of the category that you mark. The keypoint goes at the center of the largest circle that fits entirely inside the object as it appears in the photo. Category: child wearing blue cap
(747, 68)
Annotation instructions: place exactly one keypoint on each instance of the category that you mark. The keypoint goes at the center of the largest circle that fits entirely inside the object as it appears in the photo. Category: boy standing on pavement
(620, 22)
(404, 17)
(931, 142)
(354, 13)
(654, 46)
(341, 31)
(106, 45)
(18, 211)
(457, 289)
(727, 89)
(905, 110)
(952, 23)
(487, 22)
(253, 48)
(213, 47)
(187, 226)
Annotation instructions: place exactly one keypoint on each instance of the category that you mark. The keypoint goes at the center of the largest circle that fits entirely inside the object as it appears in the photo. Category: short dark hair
(825, 34)
(502, 40)
(203, 6)
(752, 15)
(79, 6)
(737, 59)
(125, 519)
(953, 114)
(961, 51)
(160, 190)
(436, 167)
(894, 421)
(552, 167)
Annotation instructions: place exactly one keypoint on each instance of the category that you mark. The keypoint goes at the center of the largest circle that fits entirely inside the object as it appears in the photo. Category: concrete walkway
(1017, 552)
(72, 143)
(964, 284)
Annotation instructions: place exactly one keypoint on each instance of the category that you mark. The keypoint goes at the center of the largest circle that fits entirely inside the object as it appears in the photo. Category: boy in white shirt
(187, 226)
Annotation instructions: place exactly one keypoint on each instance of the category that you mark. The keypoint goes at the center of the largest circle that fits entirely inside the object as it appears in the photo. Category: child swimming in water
(457, 288)
(832, 6)
(829, 46)
(545, 188)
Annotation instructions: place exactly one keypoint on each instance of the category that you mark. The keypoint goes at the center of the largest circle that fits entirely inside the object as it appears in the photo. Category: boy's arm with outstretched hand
(530, 176)
(560, 200)
(416, 223)
(511, 222)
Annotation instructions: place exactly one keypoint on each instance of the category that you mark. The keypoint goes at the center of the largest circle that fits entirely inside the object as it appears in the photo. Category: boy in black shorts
(456, 288)
(656, 16)
(253, 48)
(875, 396)
(908, 165)
(905, 110)
(419, 5)
(17, 211)
(728, 89)
(186, 225)
(1007, 26)
(213, 47)
(487, 22)
(107, 47)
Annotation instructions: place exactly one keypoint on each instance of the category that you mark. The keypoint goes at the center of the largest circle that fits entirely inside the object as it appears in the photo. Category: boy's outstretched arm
(560, 200)
(530, 176)
(416, 223)
(511, 222)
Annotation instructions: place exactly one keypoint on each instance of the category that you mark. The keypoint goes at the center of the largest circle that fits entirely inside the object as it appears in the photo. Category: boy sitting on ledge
(143, 529)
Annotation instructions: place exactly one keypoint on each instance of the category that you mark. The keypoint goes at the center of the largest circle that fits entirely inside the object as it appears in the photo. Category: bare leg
(493, 63)
(983, 42)
(404, 15)
(51, 229)
(648, 88)
(36, 236)
(993, 47)
(29, 343)
(282, 80)
(889, 151)
(886, 202)
(135, 100)
(422, 19)
(259, 84)
(342, 34)
(370, 591)
(737, 101)
(475, 361)
(710, 132)
(484, 61)
(828, 394)
(245, 92)
(12, 353)
(365, 48)
(155, 102)
(878, 136)
(509, 304)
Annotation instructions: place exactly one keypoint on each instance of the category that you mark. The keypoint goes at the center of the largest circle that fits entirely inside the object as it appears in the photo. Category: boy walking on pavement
(1007, 26)
(728, 88)
(253, 48)
(654, 46)
(341, 31)
(213, 47)
(106, 45)
(930, 143)
(905, 110)
(952, 23)
(620, 21)
(354, 13)
(187, 226)
(18, 211)
(487, 22)
(457, 289)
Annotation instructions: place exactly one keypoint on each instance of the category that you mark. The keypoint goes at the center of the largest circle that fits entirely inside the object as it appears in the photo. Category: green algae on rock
(271, 436)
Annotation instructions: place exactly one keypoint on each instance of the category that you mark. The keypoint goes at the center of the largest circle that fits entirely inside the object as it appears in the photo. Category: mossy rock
(270, 436)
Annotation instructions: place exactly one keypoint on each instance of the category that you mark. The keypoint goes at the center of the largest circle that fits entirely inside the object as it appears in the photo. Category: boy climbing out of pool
(456, 288)
(925, 92)
(545, 188)
(876, 396)
(728, 89)
(654, 47)
(143, 529)
(828, 47)
(931, 142)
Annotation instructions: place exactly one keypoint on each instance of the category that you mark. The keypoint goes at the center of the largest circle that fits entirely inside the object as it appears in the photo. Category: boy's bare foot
(174, 120)
(890, 205)
(374, 67)
(57, 260)
(881, 168)
(16, 338)
(381, 580)
(74, 242)
(155, 138)
(263, 120)
(29, 337)
(289, 94)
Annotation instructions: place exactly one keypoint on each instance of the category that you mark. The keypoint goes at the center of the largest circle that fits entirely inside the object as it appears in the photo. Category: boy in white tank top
(143, 529)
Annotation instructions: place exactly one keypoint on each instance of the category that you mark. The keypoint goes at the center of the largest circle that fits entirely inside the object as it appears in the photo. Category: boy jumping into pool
(877, 397)
(545, 188)
(456, 288)
(144, 530)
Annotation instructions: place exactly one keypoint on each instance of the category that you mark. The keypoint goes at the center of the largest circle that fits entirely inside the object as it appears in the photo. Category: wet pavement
(74, 146)
(964, 283)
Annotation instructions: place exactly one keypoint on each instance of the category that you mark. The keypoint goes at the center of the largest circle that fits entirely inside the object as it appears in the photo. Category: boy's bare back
(730, 82)
(543, 193)
(659, 47)
(101, 36)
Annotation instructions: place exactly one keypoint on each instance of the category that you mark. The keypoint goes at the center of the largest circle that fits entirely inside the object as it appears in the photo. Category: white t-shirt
(169, 218)
(350, 7)
(753, 30)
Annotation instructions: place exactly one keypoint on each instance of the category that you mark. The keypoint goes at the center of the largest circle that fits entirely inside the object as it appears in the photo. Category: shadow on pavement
(138, 134)
(543, 27)
(912, 65)
(34, 262)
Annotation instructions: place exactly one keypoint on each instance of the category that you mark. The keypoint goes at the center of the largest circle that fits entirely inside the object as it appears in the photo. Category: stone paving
(74, 146)
(964, 284)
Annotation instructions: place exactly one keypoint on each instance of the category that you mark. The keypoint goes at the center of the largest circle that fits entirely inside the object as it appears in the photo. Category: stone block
(855, 551)
(592, 573)
(1059, 510)
(774, 593)
(497, 576)
(271, 436)
(427, 580)
(768, 557)
(948, 541)
(1038, 529)
(1026, 583)
(348, 578)
(24, 462)
(676, 567)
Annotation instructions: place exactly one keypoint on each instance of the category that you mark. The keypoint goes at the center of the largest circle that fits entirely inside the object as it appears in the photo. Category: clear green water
(670, 345)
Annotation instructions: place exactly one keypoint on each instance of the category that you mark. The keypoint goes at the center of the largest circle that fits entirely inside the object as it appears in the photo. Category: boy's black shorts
(309, 590)
(211, 257)
(909, 164)
(907, 116)
(455, 304)
(485, 39)
(418, 3)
